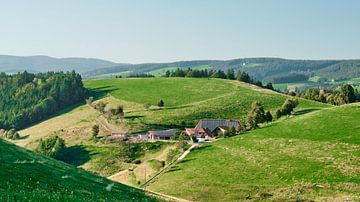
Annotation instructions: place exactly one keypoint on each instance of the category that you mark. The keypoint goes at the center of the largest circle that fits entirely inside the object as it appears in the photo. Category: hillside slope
(315, 156)
(186, 100)
(26, 176)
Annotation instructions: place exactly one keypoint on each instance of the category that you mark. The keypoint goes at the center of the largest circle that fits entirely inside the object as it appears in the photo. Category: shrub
(288, 106)
(268, 116)
(256, 114)
(278, 113)
(52, 146)
(161, 103)
(11, 134)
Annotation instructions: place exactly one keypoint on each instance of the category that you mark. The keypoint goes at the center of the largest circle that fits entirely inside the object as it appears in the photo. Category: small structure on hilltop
(210, 128)
(161, 134)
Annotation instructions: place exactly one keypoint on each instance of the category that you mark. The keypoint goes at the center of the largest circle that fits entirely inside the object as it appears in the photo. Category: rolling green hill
(26, 176)
(186, 100)
(315, 156)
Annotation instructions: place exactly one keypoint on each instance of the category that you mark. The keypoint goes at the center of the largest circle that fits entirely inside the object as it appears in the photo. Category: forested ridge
(26, 98)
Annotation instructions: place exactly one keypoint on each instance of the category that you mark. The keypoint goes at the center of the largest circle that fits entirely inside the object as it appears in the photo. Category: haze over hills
(264, 69)
(41, 63)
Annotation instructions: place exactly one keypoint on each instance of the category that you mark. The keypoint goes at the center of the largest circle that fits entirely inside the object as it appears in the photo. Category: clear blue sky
(139, 31)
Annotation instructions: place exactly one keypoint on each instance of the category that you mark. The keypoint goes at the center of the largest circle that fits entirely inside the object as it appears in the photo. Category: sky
(139, 31)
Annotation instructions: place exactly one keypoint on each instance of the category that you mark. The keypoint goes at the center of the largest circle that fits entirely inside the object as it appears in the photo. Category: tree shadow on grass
(75, 155)
(100, 92)
(173, 169)
(202, 147)
(304, 111)
(185, 160)
(133, 117)
(23, 137)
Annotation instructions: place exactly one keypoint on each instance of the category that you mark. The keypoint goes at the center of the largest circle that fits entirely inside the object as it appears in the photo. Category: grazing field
(186, 100)
(26, 176)
(174, 91)
(314, 156)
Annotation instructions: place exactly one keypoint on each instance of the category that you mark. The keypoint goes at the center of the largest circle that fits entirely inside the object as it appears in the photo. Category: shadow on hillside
(173, 169)
(304, 111)
(133, 117)
(170, 108)
(75, 155)
(202, 147)
(23, 137)
(185, 160)
(98, 93)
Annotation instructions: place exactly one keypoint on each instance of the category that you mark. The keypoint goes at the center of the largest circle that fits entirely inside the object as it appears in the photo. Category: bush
(278, 114)
(52, 146)
(161, 103)
(12, 135)
(256, 114)
(95, 131)
(287, 108)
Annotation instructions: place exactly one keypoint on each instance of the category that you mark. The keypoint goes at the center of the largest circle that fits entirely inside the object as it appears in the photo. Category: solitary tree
(95, 131)
(256, 115)
(101, 106)
(289, 106)
(349, 93)
(161, 103)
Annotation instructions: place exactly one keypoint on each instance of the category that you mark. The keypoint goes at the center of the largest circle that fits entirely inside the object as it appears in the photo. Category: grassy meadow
(186, 100)
(26, 176)
(314, 156)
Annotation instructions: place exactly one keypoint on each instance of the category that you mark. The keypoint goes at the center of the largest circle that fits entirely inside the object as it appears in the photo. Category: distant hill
(264, 69)
(26, 176)
(13, 64)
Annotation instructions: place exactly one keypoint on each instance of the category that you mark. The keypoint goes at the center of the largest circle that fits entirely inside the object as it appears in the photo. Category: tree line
(345, 95)
(27, 98)
(204, 73)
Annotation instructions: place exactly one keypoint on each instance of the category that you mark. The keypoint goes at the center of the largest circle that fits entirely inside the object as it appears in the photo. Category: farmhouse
(209, 128)
(161, 134)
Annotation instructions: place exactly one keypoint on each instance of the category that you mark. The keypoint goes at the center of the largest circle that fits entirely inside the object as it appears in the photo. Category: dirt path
(160, 173)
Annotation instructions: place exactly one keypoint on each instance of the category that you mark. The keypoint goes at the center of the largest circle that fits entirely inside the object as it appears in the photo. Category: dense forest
(27, 98)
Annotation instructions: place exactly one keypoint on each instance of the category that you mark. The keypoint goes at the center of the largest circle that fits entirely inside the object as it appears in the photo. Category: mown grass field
(186, 100)
(26, 176)
(315, 156)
